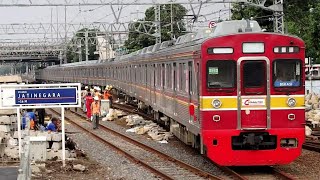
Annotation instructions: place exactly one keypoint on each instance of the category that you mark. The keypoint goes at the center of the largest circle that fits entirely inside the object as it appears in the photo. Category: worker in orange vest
(106, 94)
(96, 112)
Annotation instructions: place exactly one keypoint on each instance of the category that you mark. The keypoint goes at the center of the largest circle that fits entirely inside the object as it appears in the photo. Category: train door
(153, 84)
(253, 77)
(189, 88)
(175, 88)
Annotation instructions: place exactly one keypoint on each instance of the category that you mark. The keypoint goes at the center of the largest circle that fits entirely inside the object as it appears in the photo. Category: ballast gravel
(307, 166)
(174, 148)
(119, 166)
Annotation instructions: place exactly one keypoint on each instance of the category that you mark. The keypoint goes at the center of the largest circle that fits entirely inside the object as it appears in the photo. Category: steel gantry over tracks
(277, 7)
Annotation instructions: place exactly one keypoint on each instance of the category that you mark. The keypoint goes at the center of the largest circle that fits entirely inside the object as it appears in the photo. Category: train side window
(168, 84)
(183, 77)
(177, 77)
(146, 74)
(153, 83)
(190, 86)
(159, 75)
(162, 75)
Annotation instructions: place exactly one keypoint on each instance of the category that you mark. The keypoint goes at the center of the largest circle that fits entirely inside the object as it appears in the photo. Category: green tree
(263, 17)
(138, 40)
(72, 53)
(302, 18)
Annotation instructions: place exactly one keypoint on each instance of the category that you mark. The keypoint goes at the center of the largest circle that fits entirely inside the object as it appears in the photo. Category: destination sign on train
(46, 96)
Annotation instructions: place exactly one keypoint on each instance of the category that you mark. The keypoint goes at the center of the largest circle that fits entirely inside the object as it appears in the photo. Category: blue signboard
(46, 96)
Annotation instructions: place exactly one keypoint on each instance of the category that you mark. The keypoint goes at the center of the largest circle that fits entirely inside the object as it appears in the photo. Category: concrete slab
(5, 120)
(5, 128)
(57, 137)
(8, 173)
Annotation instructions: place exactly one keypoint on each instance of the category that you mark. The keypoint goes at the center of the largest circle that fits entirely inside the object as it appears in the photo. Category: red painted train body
(235, 93)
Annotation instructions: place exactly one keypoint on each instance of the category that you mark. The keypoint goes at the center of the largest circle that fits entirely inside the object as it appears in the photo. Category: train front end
(252, 99)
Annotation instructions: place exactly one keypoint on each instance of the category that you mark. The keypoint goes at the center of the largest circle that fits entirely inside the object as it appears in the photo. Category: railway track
(152, 159)
(272, 172)
(262, 172)
(312, 146)
(165, 170)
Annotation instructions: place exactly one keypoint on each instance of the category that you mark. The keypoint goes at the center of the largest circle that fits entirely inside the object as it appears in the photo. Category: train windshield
(287, 73)
(221, 74)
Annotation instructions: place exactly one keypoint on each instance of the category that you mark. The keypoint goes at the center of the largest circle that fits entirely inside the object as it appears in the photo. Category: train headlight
(216, 103)
(291, 102)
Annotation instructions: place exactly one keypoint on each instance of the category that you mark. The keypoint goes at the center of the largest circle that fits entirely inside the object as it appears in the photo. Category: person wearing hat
(97, 93)
(106, 94)
(95, 109)
(84, 94)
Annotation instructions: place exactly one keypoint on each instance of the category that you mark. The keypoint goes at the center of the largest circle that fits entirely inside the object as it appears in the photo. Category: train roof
(220, 29)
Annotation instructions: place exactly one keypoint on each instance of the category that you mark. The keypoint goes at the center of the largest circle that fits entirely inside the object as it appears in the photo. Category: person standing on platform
(95, 108)
(89, 101)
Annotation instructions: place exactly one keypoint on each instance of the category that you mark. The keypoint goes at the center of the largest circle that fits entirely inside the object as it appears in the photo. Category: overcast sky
(89, 14)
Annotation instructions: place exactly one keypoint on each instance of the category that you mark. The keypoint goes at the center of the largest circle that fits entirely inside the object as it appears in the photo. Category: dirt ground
(54, 170)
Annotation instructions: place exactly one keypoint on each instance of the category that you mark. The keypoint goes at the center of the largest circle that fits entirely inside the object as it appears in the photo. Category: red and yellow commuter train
(233, 92)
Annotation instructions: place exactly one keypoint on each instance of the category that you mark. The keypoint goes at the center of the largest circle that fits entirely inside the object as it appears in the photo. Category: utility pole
(172, 35)
(51, 26)
(278, 16)
(310, 74)
(65, 35)
(86, 44)
(157, 19)
(80, 49)
(57, 23)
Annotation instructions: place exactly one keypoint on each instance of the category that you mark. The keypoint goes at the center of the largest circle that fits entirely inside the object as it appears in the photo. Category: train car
(233, 92)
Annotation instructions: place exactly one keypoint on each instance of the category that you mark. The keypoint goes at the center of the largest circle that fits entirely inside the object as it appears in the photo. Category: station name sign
(46, 96)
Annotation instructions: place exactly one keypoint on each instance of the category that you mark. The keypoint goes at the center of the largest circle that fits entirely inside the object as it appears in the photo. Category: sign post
(63, 138)
(19, 131)
(30, 96)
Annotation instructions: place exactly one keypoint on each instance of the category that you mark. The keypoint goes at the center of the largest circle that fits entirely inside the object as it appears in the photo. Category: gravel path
(307, 166)
(119, 166)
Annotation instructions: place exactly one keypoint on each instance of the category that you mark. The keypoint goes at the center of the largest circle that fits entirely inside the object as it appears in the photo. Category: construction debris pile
(9, 149)
(141, 126)
(113, 114)
(43, 145)
(52, 146)
(312, 113)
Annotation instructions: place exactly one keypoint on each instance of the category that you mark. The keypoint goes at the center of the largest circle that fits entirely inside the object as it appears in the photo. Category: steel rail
(163, 155)
(228, 171)
(129, 156)
(312, 146)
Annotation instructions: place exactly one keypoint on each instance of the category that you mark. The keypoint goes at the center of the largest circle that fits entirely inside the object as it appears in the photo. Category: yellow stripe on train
(231, 103)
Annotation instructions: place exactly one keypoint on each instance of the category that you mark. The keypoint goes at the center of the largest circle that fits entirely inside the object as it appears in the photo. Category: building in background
(104, 47)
